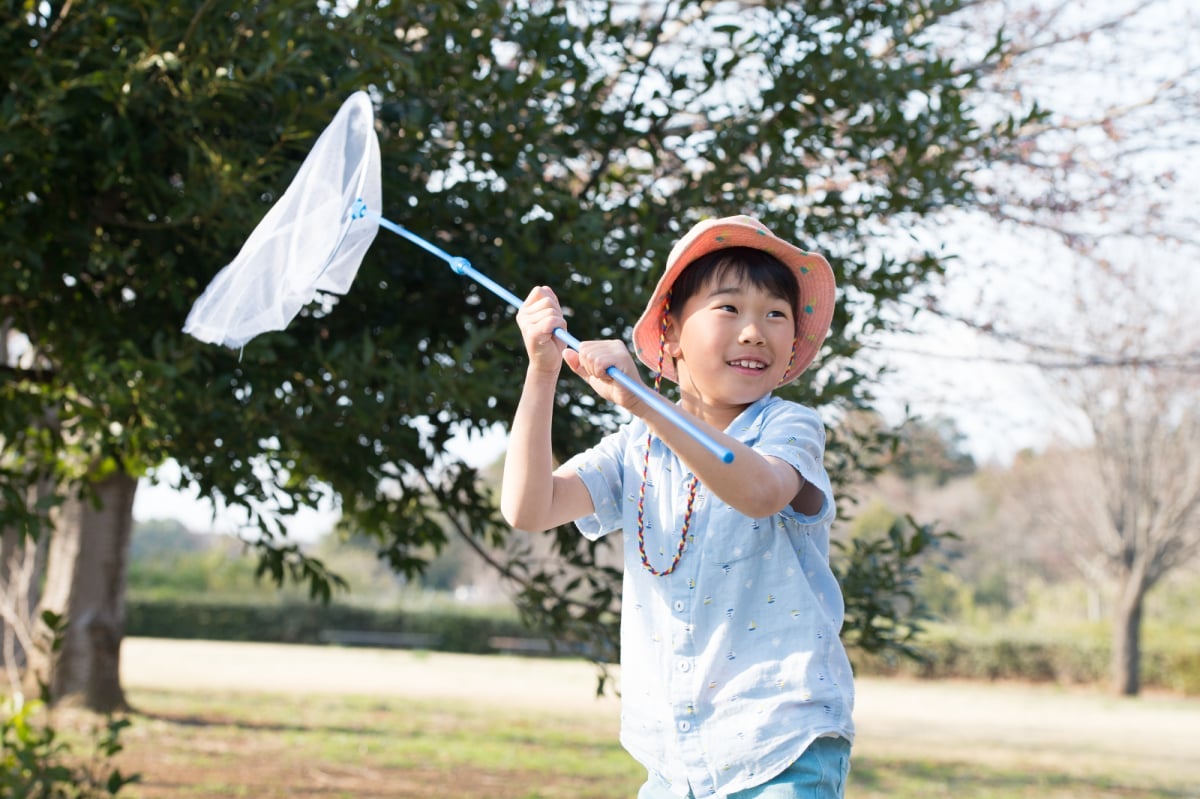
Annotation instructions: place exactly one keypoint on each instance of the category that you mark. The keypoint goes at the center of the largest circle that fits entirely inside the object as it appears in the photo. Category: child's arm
(754, 484)
(532, 496)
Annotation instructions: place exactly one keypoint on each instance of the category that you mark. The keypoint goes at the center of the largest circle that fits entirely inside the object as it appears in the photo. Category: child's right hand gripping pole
(664, 406)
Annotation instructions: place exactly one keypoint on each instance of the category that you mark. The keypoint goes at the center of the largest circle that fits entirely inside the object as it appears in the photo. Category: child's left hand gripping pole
(462, 266)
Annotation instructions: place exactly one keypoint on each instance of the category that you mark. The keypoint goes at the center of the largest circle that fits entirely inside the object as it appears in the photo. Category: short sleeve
(796, 435)
(602, 468)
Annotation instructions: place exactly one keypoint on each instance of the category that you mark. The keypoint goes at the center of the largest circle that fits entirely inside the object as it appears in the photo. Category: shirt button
(684, 726)
(679, 606)
(684, 665)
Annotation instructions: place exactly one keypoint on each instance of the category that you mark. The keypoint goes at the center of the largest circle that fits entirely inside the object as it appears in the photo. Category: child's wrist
(543, 371)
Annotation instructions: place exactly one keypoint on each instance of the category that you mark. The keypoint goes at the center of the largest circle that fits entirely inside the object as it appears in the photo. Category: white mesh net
(311, 240)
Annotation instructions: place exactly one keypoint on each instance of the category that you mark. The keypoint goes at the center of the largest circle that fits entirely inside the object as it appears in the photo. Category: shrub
(35, 763)
(310, 623)
(1060, 657)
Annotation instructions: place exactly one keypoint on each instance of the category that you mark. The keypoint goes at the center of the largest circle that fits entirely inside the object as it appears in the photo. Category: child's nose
(752, 334)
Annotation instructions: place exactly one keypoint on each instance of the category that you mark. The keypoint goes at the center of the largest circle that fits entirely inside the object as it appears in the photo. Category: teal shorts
(820, 773)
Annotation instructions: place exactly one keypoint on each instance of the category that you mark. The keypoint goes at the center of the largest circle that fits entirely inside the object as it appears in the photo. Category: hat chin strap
(791, 362)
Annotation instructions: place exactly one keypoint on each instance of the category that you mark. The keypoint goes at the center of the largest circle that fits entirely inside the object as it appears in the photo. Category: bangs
(746, 266)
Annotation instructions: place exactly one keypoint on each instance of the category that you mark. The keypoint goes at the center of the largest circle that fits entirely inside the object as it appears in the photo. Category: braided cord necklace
(693, 484)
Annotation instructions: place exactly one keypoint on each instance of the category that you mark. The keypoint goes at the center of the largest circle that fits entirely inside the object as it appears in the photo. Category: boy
(734, 680)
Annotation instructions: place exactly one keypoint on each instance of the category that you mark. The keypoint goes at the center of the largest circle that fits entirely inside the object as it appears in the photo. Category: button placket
(682, 690)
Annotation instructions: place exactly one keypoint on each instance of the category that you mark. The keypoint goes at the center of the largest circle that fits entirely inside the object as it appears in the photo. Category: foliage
(1065, 656)
(444, 629)
(885, 612)
(36, 762)
(170, 562)
(930, 448)
(1094, 211)
(156, 540)
(1009, 574)
(551, 143)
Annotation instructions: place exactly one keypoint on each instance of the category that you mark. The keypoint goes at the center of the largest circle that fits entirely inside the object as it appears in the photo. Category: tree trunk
(85, 584)
(1127, 639)
(22, 566)
(22, 561)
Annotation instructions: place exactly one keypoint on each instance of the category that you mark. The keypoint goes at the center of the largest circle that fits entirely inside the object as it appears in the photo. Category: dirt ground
(998, 725)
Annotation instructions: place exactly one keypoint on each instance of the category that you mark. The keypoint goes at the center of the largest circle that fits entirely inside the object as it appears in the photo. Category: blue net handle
(462, 266)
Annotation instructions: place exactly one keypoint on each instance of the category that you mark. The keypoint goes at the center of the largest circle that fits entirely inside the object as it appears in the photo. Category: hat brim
(814, 276)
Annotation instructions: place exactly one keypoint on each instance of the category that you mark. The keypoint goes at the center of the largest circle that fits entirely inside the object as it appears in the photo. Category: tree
(1121, 352)
(1090, 235)
(556, 143)
(931, 448)
(125, 175)
(22, 563)
(94, 531)
(1123, 495)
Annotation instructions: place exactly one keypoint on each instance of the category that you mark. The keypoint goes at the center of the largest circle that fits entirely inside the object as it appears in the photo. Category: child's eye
(728, 308)
(778, 314)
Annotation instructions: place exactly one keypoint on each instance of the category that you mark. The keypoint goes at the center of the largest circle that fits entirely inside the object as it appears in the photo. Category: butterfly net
(311, 240)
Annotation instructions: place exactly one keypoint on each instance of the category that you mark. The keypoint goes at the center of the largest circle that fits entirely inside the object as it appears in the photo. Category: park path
(1003, 725)
(491, 679)
(1021, 726)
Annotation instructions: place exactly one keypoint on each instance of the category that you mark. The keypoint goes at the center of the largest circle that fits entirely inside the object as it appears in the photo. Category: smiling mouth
(743, 363)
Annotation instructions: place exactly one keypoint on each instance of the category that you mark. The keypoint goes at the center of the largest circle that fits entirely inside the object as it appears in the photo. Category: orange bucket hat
(818, 290)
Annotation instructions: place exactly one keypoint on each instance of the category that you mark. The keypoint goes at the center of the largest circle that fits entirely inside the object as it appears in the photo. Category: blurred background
(1003, 188)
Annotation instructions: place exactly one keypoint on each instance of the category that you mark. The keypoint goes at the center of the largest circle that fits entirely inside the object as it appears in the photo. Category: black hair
(747, 265)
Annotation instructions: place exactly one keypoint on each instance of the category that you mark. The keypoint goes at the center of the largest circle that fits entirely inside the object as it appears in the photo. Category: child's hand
(592, 363)
(538, 318)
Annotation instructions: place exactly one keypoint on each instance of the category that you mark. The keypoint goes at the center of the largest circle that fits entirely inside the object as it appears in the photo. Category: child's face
(732, 342)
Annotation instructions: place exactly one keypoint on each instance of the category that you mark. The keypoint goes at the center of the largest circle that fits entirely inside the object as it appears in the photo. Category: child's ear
(671, 336)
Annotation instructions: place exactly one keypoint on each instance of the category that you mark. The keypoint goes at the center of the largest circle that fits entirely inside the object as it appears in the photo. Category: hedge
(1065, 659)
(302, 622)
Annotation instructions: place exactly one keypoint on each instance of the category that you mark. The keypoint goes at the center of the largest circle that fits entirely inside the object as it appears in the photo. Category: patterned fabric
(731, 664)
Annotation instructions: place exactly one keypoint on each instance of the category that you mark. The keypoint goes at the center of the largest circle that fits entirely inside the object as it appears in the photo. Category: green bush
(35, 763)
(1064, 657)
(1177, 671)
(310, 623)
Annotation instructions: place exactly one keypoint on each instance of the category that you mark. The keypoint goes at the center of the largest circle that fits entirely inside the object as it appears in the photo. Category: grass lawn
(433, 739)
(270, 745)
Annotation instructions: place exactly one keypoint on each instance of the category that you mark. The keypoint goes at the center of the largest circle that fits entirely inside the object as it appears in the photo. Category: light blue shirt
(731, 664)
